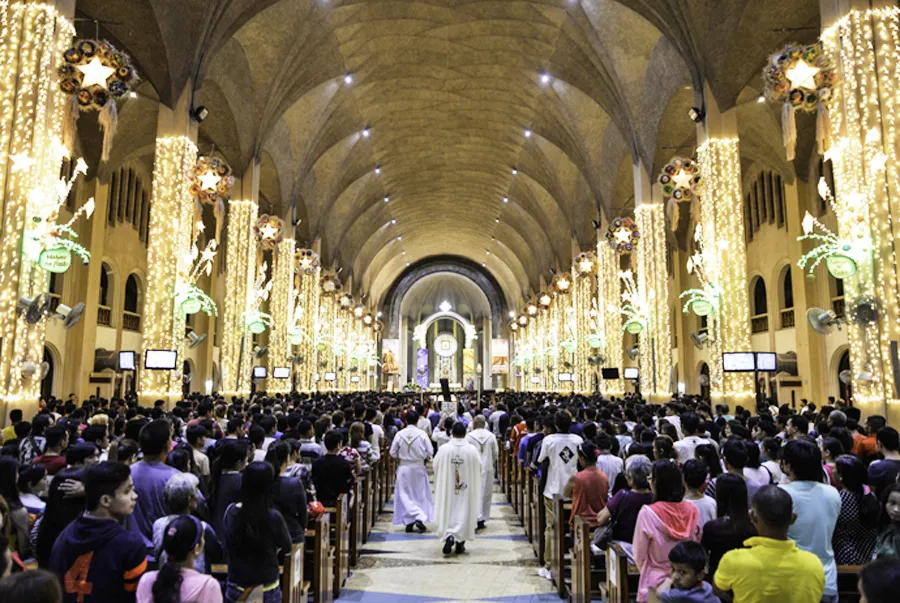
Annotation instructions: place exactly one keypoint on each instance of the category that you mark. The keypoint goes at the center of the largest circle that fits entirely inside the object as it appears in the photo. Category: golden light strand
(610, 320)
(309, 304)
(281, 309)
(582, 304)
(653, 284)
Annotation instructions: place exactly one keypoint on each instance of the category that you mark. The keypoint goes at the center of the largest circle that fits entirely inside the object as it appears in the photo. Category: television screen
(738, 362)
(160, 360)
(765, 362)
(631, 373)
(126, 361)
(565, 377)
(354, 379)
(260, 372)
(330, 376)
(610, 373)
(535, 379)
(281, 372)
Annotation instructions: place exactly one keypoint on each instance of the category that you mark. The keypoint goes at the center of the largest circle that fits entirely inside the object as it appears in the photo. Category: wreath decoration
(94, 74)
(330, 284)
(586, 263)
(622, 234)
(209, 183)
(269, 231)
(306, 261)
(801, 77)
(681, 180)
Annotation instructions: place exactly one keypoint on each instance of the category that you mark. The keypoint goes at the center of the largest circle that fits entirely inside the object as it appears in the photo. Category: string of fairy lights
(241, 263)
(653, 283)
(281, 307)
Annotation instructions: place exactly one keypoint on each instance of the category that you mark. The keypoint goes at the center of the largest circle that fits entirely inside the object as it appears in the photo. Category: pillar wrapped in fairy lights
(653, 285)
(721, 208)
(609, 318)
(241, 266)
(865, 47)
(171, 222)
(281, 308)
(308, 307)
(325, 329)
(33, 37)
(584, 317)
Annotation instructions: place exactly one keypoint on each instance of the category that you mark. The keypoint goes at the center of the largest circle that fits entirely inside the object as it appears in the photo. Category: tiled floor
(498, 566)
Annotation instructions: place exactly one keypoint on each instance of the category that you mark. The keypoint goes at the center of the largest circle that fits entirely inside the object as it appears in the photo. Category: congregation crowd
(105, 500)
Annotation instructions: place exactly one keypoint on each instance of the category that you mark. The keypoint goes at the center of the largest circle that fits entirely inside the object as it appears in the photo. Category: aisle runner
(499, 566)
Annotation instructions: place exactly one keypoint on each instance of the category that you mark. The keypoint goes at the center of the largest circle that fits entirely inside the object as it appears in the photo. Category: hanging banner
(390, 354)
(499, 356)
(422, 368)
(469, 369)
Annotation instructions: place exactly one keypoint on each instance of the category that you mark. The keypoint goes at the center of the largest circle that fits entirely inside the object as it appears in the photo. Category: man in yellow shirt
(9, 432)
(773, 568)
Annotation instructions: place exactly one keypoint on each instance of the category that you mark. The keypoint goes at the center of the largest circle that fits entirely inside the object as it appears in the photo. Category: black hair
(753, 455)
(731, 500)
(332, 440)
(123, 450)
(589, 452)
(103, 479)
(15, 415)
(182, 458)
(37, 586)
(195, 433)
(853, 476)
(278, 454)
(689, 553)
(55, 435)
(562, 421)
(668, 484)
(30, 474)
(252, 527)
(888, 438)
(774, 506)
(9, 468)
(833, 446)
(880, 580)
(695, 472)
(155, 436)
(458, 430)
(772, 446)
(79, 453)
(181, 536)
(735, 453)
(708, 454)
(231, 454)
(800, 422)
(59, 513)
(94, 433)
(804, 458)
(22, 430)
(690, 423)
(412, 417)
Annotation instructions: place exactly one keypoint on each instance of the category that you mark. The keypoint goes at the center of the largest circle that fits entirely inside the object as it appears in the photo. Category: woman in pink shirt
(661, 525)
(177, 580)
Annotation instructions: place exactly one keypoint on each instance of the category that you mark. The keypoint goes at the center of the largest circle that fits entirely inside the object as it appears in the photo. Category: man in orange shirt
(866, 446)
(519, 429)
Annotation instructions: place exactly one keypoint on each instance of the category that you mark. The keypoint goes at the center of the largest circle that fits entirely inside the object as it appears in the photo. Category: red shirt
(589, 494)
(53, 463)
(864, 446)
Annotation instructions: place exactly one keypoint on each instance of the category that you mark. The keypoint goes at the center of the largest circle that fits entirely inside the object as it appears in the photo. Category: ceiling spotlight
(527, 133)
(545, 78)
(407, 263)
(512, 314)
(697, 114)
(483, 264)
(365, 133)
(348, 79)
(399, 238)
(487, 251)
(200, 113)
(515, 171)
(497, 220)
(506, 199)
(394, 221)
(404, 253)
(378, 170)
(386, 199)
(132, 94)
(761, 99)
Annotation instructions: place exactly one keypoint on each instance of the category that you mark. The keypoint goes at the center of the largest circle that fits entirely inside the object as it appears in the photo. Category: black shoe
(448, 545)
(410, 527)
(420, 526)
(480, 526)
(460, 547)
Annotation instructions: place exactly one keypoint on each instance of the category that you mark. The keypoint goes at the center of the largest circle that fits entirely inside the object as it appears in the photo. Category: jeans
(830, 599)
(233, 593)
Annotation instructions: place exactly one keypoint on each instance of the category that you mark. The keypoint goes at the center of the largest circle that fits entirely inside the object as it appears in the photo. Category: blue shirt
(150, 484)
(523, 448)
(817, 507)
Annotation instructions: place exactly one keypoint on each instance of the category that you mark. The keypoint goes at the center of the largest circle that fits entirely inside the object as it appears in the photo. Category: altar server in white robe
(482, 439)
(413, 505)
(457, 480)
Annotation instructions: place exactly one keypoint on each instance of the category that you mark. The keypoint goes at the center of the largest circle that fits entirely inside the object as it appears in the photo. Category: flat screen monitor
(354, 379)
(610, 373)
(631, 373)
(160, 360)
(535, 380)
(330, 376)
(260, 372)
(765, 362)
(565, 377)
(281, 372)
(126, 361)
(738, 362)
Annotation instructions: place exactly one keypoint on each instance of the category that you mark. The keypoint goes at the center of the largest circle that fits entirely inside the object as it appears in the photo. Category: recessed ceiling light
(399, 238)
(506, 199)
(512, 314)
(527, 133)
(407, 263)
(377, 171)
(761, 99)
(394, 221)
(132, 94)
(404, 253)
(545, 78)
(497, 220)
(515, 171)
(482, 264)
(487, 251)
(348, 79)
(365, 133)
(386, 199)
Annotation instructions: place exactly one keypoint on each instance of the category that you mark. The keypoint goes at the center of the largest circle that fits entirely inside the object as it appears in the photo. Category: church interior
(559, 198)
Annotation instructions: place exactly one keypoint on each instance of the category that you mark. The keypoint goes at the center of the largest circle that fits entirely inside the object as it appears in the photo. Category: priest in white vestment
(457, 480)
(486, 443)
(413, 505)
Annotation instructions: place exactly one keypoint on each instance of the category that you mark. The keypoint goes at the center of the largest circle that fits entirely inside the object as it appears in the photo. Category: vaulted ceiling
(453, 97)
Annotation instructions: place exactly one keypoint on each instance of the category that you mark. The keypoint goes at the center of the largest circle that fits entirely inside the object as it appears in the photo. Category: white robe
(457, 480)
(412, 492)
(486, 444)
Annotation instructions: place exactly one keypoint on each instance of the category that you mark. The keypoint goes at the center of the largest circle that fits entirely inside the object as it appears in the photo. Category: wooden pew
(585, 579)
(527, 507)
(848, 577)
(621, 578)
(340, 541)
(559, 529)
(321, 563)
(369, 488)
(357, 520)
(501, 463)
(293, 588)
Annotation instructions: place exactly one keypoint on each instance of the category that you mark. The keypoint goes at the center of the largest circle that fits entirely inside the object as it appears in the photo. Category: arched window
(131, 319)
(760, 320)
(787, 298)
(104, 312)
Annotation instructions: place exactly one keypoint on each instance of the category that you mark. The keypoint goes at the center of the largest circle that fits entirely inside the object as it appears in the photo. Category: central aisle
(498, 565)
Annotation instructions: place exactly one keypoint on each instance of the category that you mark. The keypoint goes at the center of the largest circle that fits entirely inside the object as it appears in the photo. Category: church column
(307, 321)
(171, 221)
(610, 320)
(33, 36)
(281, 308)
(863, 37)
(653, 287)
(721, 208)
(584, 293)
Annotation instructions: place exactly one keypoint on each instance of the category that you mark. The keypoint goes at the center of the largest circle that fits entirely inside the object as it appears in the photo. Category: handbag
(604, 534)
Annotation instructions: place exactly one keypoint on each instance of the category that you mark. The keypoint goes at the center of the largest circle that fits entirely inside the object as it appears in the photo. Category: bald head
(479, 422)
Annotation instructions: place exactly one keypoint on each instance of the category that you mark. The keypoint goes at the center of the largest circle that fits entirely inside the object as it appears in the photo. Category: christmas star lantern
(622, 234)
(209, 183)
